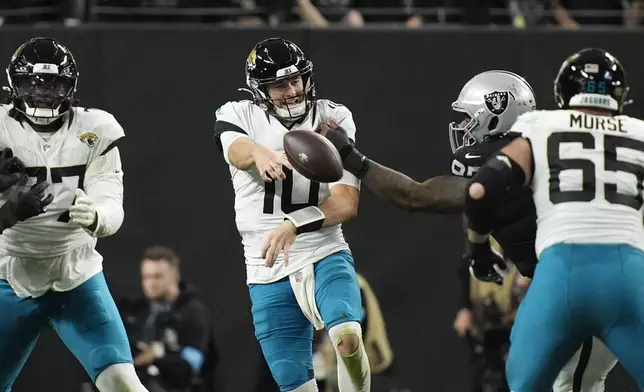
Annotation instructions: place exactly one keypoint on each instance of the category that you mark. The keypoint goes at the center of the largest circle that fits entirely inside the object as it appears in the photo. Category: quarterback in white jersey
(585, 165)
(50, 273)
(299, 267)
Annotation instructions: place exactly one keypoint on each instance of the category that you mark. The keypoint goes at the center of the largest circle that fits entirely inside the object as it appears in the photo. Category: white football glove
(83, 212)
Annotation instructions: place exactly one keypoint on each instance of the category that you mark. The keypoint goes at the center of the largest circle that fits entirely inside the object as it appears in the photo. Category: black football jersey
(516, 222)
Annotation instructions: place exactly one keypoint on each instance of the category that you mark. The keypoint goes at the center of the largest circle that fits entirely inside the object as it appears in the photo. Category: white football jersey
(79, 155)
(587, 181)
(260, 207)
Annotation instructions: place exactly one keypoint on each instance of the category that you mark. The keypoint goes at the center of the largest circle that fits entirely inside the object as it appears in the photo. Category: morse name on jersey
(585, 121)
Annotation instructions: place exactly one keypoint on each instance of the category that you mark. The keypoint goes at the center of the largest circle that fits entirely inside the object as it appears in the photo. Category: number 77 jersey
(80, 154)
(260, 206)
(587, 179)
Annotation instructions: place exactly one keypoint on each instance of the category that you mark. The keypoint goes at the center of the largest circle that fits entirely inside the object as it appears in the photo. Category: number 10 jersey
(260, 206)
(587, 179)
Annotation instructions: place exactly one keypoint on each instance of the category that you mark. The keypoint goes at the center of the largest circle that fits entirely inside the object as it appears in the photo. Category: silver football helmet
(492, 101)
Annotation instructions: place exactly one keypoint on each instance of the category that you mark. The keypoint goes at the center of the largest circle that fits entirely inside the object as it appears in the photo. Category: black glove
(485, 264)
(353, 160)
(12, 170)
(24, 205)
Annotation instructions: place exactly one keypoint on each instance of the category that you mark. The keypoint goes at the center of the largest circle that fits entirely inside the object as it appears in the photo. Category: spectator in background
(462, 12)
(622, 12)
(478, 12)
(170, 329)
(485, 317)
(526, 12)
(322, 13)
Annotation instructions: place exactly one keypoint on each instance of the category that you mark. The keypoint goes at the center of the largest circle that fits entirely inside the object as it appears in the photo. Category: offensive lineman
(491, 101)
(585, 164)
(313, 281)
(50, 272)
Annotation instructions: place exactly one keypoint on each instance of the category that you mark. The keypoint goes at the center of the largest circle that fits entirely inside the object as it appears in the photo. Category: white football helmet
(492, 101)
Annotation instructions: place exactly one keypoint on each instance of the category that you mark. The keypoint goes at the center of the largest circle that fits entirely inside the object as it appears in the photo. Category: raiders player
(490, 102)
(585, 166)
(299, 267)
(50, 272)
(514, 224)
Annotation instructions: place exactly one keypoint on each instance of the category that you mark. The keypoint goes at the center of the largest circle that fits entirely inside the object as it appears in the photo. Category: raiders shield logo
(497, 102)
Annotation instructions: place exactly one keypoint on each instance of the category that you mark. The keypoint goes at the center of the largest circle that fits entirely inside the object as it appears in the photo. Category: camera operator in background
(169, 328)
(485, 317)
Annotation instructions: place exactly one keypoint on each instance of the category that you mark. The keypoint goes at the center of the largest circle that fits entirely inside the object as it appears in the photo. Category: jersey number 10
(589, 177)
(287, 195)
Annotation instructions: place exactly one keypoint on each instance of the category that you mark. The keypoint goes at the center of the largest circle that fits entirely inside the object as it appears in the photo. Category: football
(313, 156)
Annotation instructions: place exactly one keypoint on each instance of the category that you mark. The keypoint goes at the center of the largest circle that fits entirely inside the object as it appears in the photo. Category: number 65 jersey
(587, 180)
(80, 154)
(260, 207)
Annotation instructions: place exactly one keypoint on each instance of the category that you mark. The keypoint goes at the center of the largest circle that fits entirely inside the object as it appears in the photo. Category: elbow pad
(499, 174)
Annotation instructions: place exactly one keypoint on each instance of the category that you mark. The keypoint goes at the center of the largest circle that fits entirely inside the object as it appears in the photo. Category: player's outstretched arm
(441, 195)
(240, 153)
(243, 154)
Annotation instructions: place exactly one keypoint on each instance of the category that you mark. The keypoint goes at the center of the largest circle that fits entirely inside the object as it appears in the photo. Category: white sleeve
(343, 116)
(229, 126)
(104, 177)
(226, 139)
(104, 184)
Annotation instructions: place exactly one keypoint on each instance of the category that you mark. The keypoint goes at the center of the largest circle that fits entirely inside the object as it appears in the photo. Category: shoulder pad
(97, 128)
(531, 117)
(4, 110)
(236, 112)
(338, 112)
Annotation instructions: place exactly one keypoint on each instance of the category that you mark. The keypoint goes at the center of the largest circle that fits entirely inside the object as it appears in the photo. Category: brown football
(313, 156)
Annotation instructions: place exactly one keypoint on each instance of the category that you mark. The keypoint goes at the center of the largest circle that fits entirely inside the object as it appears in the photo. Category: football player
(300, 271)
(50, 272)
(585, 166)
(490, 103)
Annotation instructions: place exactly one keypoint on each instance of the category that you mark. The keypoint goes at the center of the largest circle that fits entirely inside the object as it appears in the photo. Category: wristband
(307, 219)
